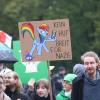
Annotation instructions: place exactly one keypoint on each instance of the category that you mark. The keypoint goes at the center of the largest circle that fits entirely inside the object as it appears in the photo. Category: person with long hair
(42, 90)
(14, 86)
(87, 86)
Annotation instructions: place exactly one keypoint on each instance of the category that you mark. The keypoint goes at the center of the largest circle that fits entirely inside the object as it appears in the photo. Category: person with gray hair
(79, 69)
(87, 86)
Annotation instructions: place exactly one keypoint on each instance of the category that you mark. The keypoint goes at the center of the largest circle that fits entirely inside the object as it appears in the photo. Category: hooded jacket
(61, 96)
(84, 88)
(69, 78)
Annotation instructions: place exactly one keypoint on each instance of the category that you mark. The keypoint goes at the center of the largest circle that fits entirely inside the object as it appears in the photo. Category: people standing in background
(14, 86)
(30, 88)
(42, 90)
(65, 93)
(87, 86)
(58, 79)
(79, 69)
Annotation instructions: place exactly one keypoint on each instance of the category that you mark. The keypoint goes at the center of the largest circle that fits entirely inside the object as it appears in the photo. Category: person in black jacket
(87, 86)
(57, 79)
(42, 90)
(30, 87)
(14, 86)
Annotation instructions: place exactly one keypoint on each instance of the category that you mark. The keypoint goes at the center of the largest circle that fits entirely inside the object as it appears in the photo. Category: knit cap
(69, 78)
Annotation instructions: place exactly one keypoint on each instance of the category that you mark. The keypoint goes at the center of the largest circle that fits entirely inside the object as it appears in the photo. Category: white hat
(51, 67)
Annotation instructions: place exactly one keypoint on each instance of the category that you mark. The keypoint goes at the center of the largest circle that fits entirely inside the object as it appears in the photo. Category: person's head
(78, 69)
(61, 70)
(42, 88)
(2, 87)
(12, 80)
(91, 62)
(67, 82)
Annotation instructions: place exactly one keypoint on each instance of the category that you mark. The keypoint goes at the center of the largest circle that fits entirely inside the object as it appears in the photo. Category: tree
(84, 18)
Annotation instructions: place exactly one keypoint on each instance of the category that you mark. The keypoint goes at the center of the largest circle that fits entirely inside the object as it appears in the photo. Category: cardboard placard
(45, 40)
(25, 70)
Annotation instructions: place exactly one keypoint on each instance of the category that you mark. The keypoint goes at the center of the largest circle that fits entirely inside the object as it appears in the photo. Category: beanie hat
(78, 69)
(69, 78)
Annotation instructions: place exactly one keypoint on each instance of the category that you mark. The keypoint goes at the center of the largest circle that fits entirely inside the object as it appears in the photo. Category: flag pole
(49, 76)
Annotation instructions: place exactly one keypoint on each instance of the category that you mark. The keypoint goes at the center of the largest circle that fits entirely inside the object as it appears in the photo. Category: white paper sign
(31, 66)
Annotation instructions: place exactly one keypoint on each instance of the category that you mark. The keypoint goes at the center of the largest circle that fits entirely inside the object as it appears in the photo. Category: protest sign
(47, 40)
(25, 70)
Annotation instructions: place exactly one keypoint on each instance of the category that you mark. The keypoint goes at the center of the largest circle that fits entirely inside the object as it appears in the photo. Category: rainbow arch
(28, 27)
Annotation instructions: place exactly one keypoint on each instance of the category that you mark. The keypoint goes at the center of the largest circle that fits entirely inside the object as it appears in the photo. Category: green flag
(27, 70)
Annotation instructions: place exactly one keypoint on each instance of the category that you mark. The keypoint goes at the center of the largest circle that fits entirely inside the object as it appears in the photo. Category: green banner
(28, 70)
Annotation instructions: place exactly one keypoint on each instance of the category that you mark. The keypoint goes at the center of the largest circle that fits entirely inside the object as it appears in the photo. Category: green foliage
(84, 17)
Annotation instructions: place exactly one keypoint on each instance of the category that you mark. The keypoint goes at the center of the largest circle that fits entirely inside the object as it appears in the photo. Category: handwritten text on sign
(45, 40)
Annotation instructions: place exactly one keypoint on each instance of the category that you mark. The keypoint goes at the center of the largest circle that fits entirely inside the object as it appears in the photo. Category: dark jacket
(16, 95)
(85, 87)
(77, 88)
(34, 96)
(57, 82)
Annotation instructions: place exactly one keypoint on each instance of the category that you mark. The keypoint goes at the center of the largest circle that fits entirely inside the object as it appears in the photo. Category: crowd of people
(82, 84)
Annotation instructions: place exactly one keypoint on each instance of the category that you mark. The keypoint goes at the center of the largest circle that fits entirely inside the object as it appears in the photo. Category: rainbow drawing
(28, 27)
